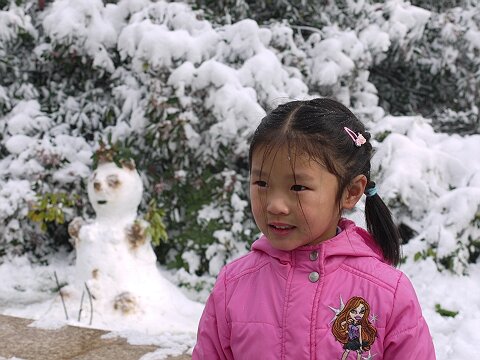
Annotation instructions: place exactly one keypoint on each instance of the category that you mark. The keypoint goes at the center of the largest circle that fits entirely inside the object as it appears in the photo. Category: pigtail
(380, 224)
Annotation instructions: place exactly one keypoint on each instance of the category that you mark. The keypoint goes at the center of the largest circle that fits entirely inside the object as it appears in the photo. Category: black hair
(316, 127)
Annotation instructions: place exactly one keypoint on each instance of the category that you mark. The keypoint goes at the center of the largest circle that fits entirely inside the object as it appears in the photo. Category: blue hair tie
(371, 191)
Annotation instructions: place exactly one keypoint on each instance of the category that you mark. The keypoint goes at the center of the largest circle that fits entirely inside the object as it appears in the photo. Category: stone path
(29, 343)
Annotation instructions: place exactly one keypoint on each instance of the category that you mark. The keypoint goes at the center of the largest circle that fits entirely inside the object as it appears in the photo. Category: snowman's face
(114, 191)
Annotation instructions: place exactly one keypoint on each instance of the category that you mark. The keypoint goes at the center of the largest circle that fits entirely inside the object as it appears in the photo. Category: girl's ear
(354, 191)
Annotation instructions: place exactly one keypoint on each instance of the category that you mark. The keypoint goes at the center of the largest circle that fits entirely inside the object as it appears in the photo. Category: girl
(309, 161)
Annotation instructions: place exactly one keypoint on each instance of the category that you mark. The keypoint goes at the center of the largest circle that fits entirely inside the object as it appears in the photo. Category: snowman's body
(115, 261)
(108, 265)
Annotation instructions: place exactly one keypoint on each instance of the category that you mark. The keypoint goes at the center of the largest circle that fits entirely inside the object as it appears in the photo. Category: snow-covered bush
(435, 73)
(183, 90)
(47, 118)
(432, 183)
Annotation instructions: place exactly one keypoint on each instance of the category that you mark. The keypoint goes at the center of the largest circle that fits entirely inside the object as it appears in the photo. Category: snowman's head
(115, 191)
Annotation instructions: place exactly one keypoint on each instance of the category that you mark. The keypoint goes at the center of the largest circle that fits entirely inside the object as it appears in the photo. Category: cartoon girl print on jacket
(353, 328)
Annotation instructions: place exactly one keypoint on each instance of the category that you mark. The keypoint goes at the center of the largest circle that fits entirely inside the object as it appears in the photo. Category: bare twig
(59, 288)
(81, 305)
(307, 28)
(91, 303)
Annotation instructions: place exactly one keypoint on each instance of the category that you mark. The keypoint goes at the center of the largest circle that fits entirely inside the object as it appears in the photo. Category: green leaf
(445, 312)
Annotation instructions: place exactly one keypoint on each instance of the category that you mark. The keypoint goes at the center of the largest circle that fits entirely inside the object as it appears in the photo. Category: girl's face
(293, 201)
(357, 313)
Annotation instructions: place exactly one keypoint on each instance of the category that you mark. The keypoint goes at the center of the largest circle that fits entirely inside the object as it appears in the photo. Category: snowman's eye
(97, 186)
(113, 181)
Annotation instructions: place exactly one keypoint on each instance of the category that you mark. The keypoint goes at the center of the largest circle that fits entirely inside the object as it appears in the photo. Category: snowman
(115, 262)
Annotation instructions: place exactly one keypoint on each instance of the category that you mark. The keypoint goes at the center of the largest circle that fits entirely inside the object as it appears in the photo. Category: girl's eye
(297, 187)
(260, 183)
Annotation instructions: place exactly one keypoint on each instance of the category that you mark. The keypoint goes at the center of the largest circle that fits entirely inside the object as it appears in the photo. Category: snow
(207, 213)
(12, 194)
(115, 283)
(27, 291)
(474, 37)
(406, 21)
(119, 268)
(264, 72)
(452, 336)
(161, 45)
(375, 39)
(330, 62)
(66, 23)
(18, 143)
(13, 20)
(238, 70)
(26, 118)
(243, 40)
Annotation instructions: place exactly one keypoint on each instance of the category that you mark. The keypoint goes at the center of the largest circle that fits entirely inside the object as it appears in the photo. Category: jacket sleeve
(407, 334)
(213, 337)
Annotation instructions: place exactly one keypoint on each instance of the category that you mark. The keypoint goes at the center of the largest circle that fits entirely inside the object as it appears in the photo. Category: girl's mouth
(280, 229)
(101, 202)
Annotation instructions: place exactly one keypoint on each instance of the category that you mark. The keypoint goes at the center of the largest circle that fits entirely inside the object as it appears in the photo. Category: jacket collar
(350, 241)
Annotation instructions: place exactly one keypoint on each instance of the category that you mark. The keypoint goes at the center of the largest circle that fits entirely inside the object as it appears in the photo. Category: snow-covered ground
(454, 337)
(29, 291)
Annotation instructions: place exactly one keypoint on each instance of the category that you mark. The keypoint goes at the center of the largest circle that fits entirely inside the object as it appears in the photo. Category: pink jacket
(273, 304)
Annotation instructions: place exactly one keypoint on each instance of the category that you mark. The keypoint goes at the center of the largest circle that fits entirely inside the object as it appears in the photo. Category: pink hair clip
(358, 139)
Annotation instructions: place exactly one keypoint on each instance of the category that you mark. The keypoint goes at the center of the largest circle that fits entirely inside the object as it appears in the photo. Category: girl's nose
(277, 205)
